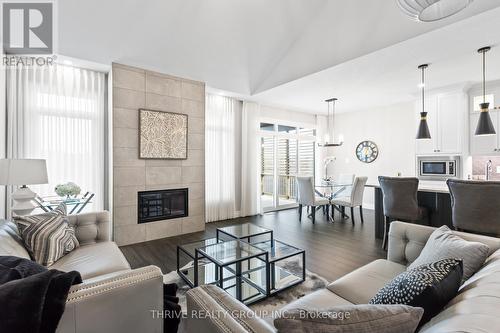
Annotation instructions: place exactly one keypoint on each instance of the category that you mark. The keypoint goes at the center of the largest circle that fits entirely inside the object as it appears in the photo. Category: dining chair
(345, 179)
(306, 196)
(355, 198)
(475, 206)
(400, 202)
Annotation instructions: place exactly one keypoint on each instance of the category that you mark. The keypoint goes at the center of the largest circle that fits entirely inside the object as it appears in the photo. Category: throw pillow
(363, 318)
(430, 286)
(49, 236)
(443, 243)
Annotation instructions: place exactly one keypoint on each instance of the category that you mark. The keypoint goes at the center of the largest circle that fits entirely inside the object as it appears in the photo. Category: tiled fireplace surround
(135, 88)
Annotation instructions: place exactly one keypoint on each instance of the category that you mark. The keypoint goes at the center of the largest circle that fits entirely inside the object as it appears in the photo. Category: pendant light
(330, 139)
(484, 125)
(423, 128)
(431, 10)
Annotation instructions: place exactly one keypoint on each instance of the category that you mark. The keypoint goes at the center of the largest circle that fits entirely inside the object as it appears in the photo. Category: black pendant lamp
(423, 128)
(484, 125)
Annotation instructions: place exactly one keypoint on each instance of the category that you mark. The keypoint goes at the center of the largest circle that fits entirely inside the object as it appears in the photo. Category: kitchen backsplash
(478, 167)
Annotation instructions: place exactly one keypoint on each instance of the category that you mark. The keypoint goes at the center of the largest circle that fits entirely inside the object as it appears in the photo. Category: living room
(185, 166)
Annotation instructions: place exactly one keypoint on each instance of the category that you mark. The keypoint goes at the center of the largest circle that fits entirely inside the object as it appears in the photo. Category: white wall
(283, 115)
(392, 128)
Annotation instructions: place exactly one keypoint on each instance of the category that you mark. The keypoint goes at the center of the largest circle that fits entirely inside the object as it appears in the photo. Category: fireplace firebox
(162, 205)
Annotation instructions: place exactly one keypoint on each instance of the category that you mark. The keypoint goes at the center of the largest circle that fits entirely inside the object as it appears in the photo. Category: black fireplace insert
(162, 204)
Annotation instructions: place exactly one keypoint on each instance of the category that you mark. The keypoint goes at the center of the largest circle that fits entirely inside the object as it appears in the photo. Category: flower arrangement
(67, 190)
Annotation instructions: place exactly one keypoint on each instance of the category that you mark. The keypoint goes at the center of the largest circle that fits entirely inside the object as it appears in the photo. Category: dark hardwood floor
(332, 249)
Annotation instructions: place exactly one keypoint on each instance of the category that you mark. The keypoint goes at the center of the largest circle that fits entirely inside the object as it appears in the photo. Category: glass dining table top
(332, 189)
(331, 184)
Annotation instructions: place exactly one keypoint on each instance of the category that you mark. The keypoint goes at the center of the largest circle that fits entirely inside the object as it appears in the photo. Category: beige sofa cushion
(93, 260)
(475, 308)
(11, 243)
(212, 310)
(443, 244)
(362, 318)
(359, 286)
(319, 299)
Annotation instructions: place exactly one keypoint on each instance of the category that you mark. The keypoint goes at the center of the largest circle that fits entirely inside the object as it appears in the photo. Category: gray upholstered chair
(355, 198)
(475, 206)
(400, 201)
(306, 196)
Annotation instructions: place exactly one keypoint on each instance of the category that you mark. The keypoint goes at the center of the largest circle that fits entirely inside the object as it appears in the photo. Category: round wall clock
(367, 151)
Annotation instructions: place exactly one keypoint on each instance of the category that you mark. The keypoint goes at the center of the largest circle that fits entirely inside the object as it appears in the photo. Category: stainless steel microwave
(438, 167)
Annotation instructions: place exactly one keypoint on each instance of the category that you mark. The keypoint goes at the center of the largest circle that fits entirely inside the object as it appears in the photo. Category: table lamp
(23, 172)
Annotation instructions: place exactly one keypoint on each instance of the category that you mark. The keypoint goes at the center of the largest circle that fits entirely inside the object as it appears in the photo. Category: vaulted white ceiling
(264, 49)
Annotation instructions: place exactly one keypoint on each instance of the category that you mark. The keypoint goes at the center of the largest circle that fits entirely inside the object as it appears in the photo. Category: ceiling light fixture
(329, 137)
(484, 125)
(423, 128)
(431, 10)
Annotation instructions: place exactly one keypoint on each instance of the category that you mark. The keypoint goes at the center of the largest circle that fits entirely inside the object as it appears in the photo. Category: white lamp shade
(23, 172)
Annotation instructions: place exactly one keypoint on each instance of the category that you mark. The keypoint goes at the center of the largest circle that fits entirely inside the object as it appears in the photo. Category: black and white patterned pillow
(430, 286)
(48, 236)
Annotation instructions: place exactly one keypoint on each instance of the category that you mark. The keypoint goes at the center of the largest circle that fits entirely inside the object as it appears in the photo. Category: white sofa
(474, 309)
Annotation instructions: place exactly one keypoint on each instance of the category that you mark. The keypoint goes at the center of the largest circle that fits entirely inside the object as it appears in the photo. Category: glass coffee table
(283, 267)
(245, 260)
(186, 260)
(237, 264)
(248, 232)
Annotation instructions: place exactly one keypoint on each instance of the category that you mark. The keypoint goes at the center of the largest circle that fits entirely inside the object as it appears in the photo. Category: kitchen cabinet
(445, 117)
(484, 144)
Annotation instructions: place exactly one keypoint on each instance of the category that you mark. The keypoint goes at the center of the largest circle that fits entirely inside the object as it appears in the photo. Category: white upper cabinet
(451, 112)
(445, 115)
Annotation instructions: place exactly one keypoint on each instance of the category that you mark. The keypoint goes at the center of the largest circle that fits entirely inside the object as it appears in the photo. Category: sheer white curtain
(250, 160)
(58, 113)
(220, 157)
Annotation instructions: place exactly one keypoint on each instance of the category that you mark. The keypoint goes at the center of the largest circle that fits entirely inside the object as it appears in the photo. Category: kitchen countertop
(424, 186)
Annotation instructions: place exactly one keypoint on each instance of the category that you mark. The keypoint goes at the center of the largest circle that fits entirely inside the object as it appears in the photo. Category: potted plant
(67, 190)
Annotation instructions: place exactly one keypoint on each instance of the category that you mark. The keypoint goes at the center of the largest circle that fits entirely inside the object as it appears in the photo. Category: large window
(57, 113)
(286, 151)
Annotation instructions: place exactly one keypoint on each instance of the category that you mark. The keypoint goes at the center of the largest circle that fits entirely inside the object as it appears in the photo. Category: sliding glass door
(286, 151)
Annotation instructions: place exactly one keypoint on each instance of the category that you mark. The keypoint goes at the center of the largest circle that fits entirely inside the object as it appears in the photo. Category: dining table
(330, 190)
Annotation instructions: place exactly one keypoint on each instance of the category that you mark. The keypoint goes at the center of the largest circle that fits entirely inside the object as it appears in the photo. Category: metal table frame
(238, 273)
(332, 196)
(180, 248)
(272, 263)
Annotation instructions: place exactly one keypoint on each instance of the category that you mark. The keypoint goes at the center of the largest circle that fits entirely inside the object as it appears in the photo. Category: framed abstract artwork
(162, 135)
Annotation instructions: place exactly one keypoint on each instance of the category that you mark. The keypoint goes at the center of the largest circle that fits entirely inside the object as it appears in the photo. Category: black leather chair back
(475, 206)
(400, 198)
